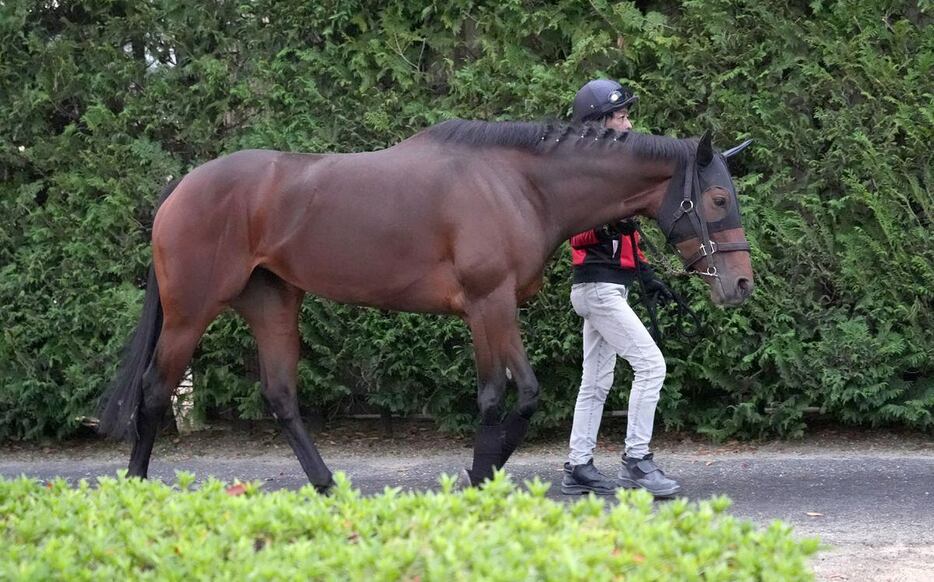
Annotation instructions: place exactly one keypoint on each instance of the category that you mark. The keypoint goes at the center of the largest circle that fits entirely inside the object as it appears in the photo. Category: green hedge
(133, 529)
(101, 102)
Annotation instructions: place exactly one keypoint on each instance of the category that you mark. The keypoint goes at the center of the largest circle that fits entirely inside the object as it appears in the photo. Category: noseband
(691, 207)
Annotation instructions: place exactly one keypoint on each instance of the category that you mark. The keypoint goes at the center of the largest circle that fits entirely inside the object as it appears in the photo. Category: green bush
(101, 102)
(146, 530)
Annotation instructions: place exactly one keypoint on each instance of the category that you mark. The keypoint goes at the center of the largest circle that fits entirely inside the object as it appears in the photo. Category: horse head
(700, 217)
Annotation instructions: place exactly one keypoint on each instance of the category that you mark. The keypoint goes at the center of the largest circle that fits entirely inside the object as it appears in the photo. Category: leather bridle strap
(713, 248)
(693, 211)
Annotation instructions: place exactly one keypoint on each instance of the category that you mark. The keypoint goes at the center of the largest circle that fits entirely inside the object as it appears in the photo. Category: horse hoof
(325, 489)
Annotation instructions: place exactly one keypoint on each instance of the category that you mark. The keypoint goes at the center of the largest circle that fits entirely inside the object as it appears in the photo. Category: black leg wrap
(514, 428)
(487, 452)
(147, 426)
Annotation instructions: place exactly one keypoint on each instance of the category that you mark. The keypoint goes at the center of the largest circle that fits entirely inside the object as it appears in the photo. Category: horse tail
(121, 401)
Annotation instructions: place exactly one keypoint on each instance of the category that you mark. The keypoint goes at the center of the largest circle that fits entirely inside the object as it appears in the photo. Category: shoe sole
(584, 490)
(628, 484)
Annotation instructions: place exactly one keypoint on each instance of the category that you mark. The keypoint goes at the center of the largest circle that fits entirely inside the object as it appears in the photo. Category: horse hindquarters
(120, 404)
(153, 363)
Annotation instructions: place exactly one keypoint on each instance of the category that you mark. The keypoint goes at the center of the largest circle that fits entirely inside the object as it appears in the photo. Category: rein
(651, 302)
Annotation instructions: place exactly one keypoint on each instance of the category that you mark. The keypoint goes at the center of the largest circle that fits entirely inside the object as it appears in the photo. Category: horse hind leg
(270, 307)
(177, 342)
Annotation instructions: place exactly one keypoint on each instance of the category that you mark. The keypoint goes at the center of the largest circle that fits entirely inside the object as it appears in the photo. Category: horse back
(414, 227)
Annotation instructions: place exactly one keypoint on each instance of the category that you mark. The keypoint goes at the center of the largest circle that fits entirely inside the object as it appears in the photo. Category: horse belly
(388, 270)
(430, 291)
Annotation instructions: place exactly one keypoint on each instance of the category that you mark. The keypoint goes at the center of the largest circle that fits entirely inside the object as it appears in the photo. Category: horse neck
(582, 191)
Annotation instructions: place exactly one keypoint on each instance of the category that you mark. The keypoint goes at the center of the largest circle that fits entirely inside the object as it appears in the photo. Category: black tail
(121, 401)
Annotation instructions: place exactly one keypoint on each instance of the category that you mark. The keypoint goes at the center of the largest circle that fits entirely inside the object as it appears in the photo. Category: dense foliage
(498, 533)
(101, 101)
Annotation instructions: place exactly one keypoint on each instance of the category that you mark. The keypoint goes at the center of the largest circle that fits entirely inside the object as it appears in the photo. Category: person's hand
(627, 226)
(606, 232)
(654, 286)
(659, 289)
(616, 229)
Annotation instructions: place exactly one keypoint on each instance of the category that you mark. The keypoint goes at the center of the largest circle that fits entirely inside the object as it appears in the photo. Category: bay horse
(460, 219)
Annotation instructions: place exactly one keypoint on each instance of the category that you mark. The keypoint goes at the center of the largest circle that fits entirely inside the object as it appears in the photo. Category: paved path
(874, 509)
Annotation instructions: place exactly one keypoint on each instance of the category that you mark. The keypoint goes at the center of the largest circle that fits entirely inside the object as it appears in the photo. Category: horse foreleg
(492, 322)
(270, 306)
(516, 423)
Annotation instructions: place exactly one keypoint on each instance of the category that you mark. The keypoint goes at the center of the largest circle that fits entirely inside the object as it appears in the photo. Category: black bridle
(691, 206)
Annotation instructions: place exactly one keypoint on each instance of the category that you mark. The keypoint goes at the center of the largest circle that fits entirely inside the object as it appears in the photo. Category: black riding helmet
(599, 98)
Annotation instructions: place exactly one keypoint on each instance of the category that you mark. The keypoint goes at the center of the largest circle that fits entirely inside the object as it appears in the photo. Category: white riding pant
(612, 328)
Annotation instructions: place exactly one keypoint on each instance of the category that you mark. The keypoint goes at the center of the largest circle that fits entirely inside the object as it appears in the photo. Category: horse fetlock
(527, 409)
(282, 406)
(488, 450)
(491, 415)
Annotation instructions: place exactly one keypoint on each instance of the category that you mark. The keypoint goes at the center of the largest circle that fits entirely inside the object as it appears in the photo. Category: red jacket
(610, 261)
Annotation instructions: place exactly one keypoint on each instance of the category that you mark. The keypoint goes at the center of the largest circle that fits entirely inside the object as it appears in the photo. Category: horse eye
(721, 202)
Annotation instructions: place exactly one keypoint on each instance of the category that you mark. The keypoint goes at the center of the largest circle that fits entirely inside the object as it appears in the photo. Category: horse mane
(545, 137)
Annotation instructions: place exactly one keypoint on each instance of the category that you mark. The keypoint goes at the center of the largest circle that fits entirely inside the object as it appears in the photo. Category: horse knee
(489, 398)
(528, 399)
(281, 402)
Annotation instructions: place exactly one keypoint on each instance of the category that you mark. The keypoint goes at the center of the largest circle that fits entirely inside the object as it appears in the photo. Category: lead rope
(683, 312)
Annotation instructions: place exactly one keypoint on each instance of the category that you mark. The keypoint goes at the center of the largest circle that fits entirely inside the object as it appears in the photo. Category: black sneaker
(644, 473)
(581, 479)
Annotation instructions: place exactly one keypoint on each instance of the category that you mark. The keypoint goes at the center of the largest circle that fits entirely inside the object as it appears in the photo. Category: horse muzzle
(731, 294)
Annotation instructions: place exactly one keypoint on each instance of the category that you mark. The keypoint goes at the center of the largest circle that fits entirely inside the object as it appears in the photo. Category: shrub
(103, 101)
(143, 529)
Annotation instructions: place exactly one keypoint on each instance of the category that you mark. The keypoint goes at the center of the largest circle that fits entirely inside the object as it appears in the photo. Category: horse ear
(735, 150)
(705, 149)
